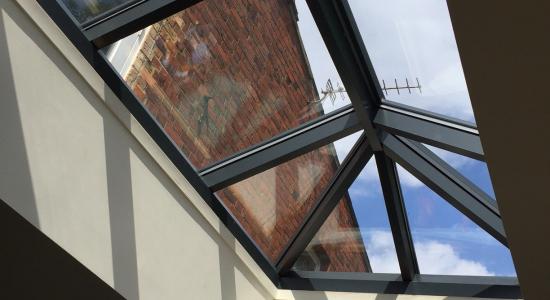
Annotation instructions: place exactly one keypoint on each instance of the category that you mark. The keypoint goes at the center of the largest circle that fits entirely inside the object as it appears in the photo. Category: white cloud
(405, 39)
(438, 258)
(434, 257)
(381, 251)
(410, 39)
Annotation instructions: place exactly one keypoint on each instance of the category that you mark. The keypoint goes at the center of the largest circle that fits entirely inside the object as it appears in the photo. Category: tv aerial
(397, 87)
(330, 92)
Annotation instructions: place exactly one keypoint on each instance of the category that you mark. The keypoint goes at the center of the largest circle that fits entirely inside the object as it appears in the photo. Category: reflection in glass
(410, 40)
(86, 10)
(447, 242)
(222, 76)
(273, 204)
(338, 245)
(356, 237)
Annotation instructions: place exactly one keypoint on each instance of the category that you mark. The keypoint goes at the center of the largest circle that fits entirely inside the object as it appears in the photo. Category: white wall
(78, 166)
(70, 166)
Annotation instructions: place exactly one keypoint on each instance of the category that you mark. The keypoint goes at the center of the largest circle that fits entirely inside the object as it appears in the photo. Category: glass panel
(86, 10)
(446, 241)
(358, 226)
(272, 205)
(338, 245)
(323, 70)
(222, 76)
(476, 171)
(410, 40)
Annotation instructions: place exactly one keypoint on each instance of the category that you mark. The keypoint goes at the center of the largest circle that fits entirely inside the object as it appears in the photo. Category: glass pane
(272, 205)
(356, 237)
(222, 76)
(474, 170)
(86, 10)
(323, 70)
(446, 241)
(338, 245)
(410, 40)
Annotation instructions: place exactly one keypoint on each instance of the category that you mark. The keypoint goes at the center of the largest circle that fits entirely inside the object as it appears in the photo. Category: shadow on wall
(229, 263)
(16, 179)
(121, 206)
(16, 186)
(386, 297)
(227, 274)
(305, 295)
(29, 273)
(28, 257)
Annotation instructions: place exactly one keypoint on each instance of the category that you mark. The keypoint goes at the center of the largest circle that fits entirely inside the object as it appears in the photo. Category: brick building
(225, 75)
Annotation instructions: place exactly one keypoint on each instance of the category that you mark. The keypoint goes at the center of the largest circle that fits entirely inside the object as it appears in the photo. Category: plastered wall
(70, 166)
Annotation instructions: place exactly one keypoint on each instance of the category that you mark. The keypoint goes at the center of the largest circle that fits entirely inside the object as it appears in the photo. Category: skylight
(372, 248)
(328, 176)
(273, 204)
(214, 106)
(446, 241)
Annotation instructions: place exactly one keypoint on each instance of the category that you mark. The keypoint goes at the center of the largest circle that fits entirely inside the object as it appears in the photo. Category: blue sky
(446, 241)
(409, 39)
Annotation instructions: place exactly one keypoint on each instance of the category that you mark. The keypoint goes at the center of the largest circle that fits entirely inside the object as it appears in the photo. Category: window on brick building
(272, 205)
(219, 81)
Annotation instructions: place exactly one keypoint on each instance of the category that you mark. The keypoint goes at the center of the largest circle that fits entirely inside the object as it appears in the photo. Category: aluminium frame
(392, 133)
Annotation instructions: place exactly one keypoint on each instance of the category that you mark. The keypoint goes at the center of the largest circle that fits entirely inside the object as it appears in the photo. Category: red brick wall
(240, 55)
(224, 75)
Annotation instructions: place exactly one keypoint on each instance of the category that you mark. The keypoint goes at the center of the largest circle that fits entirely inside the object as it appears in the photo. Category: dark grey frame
(391, 133)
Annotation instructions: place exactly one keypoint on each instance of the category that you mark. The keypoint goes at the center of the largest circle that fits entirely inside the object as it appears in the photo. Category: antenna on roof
(397, 87)
(330, 92)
